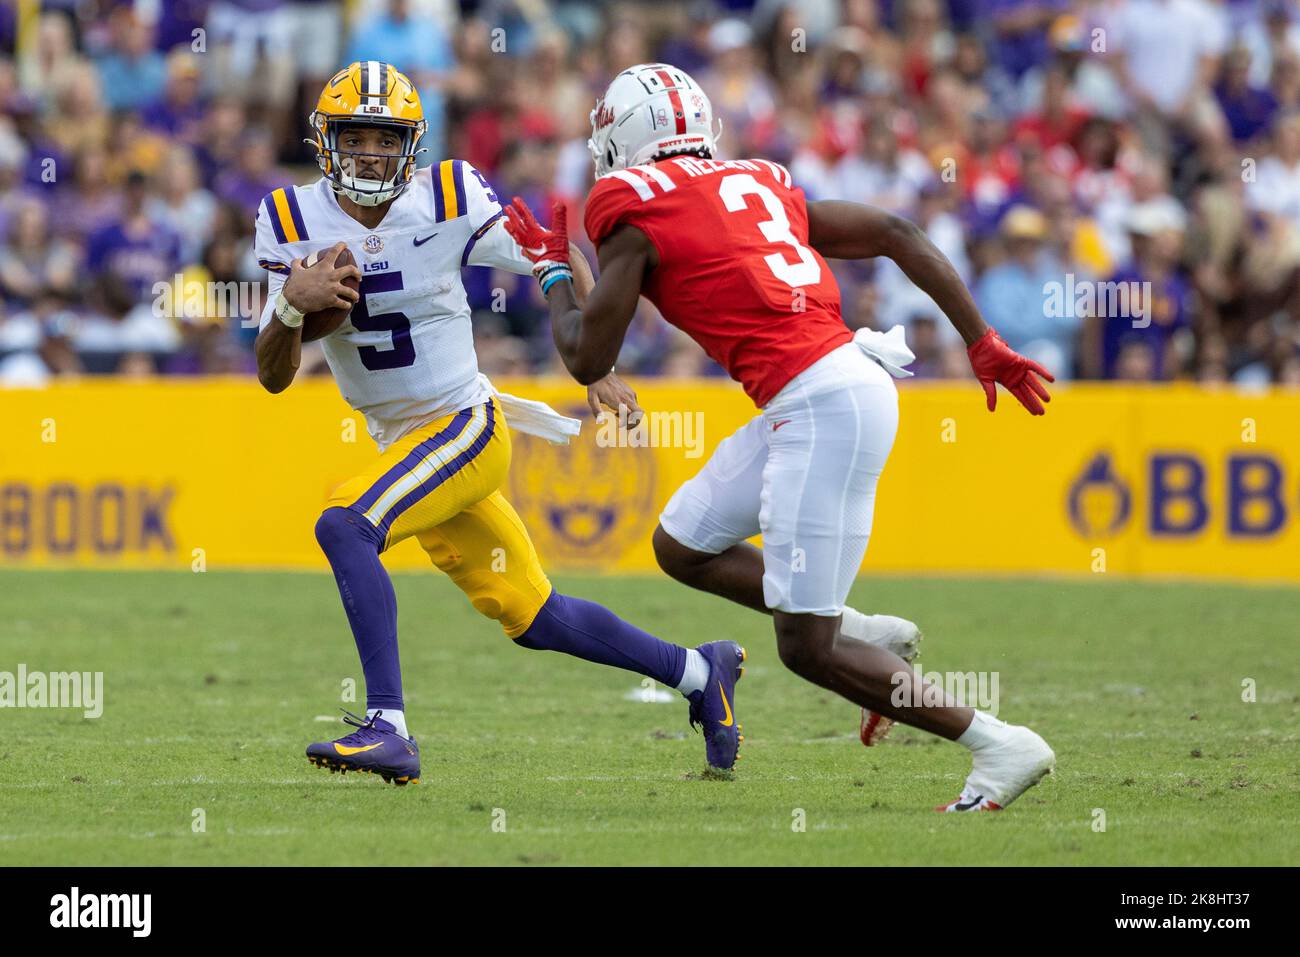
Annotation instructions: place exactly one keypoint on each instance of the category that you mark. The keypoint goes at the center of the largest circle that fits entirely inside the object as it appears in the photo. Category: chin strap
(322, 158)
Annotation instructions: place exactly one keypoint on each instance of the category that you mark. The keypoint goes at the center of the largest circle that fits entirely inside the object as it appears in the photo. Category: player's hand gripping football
(547, 248)
(994, 361)
(317, 287)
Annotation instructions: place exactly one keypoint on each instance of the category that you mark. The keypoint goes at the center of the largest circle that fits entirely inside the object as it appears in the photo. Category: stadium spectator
(179, 112)
(92, 201)
(253, 50)
(32, 262)
(254, 173)
(1136, 335)
(1014, 298)
(1248, 109)
(180, 202)
(78, 118)
(1275, 189)
(1271, 37)
(132, 73)
(135, 251)
(1127, 140)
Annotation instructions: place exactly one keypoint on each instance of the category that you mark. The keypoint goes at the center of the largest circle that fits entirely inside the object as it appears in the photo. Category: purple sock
(588, 631)
(352, 546)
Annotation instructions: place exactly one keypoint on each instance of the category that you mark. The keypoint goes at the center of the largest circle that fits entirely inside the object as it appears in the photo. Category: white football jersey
(405, 355)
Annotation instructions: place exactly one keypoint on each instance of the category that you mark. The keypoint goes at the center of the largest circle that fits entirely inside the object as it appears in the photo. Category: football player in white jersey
(405, 359)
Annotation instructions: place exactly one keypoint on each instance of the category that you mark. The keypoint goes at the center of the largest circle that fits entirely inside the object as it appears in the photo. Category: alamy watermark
(938, 689)
(130, 911)
(1081, 298)
(657, 430)
(53, 689)
(182, 298)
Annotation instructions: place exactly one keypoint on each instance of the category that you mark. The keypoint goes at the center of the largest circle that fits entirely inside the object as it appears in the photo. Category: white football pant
(803, 473)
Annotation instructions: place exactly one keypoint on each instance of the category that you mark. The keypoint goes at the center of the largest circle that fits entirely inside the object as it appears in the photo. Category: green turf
(213, 681)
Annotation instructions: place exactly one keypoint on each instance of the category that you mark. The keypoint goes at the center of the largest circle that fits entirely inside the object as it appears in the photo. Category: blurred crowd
(1055, 150)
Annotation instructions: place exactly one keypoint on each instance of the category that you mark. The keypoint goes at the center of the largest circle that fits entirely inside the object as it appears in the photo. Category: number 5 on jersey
(402, 354)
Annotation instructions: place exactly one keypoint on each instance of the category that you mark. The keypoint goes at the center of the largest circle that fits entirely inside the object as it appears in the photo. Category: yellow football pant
(441, 483)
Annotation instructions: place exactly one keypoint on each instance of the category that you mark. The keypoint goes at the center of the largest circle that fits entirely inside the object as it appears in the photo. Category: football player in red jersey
(732, 254)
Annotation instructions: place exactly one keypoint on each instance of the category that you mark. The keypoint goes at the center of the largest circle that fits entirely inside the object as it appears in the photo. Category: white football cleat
(1004, 771)
(898, 635)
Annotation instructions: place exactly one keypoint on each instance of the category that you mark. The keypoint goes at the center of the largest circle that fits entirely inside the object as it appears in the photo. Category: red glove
(547, 248)
(994, 361)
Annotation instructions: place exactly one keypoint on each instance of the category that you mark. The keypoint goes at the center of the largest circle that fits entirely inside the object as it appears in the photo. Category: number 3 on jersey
(402, 354)
(807, 271)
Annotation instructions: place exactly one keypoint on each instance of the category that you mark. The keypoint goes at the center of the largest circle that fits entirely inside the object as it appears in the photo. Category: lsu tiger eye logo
(1099, 501)
(583, 505)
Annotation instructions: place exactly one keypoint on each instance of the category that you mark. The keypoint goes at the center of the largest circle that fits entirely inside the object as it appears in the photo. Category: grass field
(213, 683)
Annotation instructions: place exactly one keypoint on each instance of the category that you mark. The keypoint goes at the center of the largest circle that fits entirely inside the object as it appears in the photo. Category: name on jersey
(703, 167)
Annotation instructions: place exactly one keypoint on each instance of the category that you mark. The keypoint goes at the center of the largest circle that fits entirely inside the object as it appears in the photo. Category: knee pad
(341, 527)
(497, 597)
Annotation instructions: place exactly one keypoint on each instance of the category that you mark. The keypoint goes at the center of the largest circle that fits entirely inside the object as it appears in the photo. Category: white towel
(535, 418)
(888, 348)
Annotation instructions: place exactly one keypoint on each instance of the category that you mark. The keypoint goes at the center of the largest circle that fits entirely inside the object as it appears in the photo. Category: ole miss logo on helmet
(604, 116)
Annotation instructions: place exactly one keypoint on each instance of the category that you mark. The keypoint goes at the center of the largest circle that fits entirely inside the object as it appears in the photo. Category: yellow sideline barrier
(218, 474)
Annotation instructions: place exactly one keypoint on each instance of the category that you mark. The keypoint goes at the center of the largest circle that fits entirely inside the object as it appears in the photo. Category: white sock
(854, 625)
(696, 673)
(396, 718)
(984, 730)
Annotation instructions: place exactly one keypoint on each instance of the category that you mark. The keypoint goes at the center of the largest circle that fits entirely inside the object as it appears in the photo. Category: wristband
(546, 267)
(553, 275)
(286, 313)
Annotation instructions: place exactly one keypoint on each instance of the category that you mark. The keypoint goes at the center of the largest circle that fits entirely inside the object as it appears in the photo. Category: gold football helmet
(368, 93)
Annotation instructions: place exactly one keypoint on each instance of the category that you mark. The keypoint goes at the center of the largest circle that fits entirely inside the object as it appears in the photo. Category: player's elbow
(585, 365)
(903, 238)
(587, 372)
(273, 380)
(270, 384)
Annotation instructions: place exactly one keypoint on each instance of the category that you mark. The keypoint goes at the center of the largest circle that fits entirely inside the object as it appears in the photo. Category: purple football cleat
(374, 748)
(713, 708)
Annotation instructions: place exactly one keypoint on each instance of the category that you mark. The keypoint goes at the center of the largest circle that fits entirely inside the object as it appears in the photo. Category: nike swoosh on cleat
(726, 707)
(345, 750)
(970, 804)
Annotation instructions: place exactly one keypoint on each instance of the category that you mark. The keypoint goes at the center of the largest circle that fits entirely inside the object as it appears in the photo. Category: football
(317, 325)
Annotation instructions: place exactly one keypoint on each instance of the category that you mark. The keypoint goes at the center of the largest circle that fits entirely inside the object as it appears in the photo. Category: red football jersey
(735, 269)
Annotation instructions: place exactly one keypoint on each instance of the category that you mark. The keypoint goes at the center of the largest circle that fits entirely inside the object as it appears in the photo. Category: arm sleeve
(489, 244)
